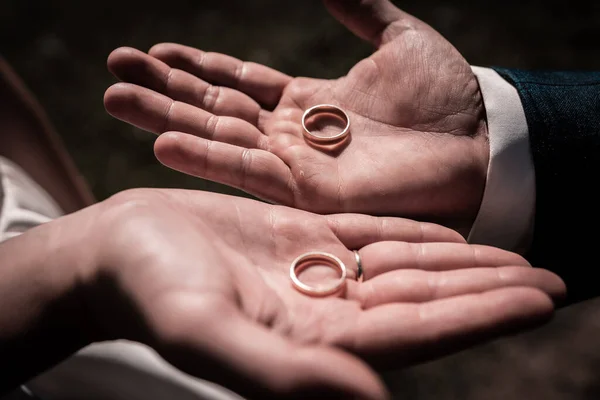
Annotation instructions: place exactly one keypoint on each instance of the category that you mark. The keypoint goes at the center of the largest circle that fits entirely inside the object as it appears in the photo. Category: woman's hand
(204, 279)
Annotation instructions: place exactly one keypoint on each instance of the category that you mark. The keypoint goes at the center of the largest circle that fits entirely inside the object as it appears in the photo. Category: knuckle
(211, 97)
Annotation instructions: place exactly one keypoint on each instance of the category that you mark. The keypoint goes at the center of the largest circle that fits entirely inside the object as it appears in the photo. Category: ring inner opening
(325, 124)
(318, 274)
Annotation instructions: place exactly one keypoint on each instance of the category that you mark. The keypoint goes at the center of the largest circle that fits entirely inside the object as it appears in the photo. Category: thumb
(377, 21)
(257, 363)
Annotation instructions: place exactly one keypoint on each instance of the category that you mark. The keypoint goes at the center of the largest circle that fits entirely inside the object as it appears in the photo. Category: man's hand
(418, 131)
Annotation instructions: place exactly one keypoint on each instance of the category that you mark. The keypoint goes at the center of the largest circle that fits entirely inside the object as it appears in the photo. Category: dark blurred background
(60, 47)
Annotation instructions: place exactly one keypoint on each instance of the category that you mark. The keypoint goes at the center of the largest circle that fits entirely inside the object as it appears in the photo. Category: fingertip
(171, 136)
(556, 288)
(120, 56)
(551, 285)
(172, 149)
(114, 55)
(440, 233)
(117, 98)
(113, 97)
(162, 49)
(545, 280)
(174, 54)
(165, 143)
(531, 306)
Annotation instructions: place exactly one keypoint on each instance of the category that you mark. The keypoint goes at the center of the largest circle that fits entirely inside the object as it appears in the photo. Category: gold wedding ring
(312, 258)
(325, 109)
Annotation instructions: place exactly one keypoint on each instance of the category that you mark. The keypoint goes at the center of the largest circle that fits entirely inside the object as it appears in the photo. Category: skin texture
(418, 145)
(203, 279)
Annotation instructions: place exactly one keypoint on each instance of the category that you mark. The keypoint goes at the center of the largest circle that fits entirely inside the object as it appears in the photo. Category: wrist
(466, 123)
(476, 180)
(73, 270)
(482, 151)
(42, 315)
(109, 275)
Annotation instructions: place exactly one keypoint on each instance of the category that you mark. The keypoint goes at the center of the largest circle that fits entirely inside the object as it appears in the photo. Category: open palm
(204, 279)
(418, 135)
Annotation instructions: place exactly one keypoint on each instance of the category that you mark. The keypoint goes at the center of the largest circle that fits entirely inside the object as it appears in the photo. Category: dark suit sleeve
(563, 118)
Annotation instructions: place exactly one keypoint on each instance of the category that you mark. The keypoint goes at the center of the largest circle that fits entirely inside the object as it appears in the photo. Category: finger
(257, 172)
(257, 363)
(411, 333)
(157, 113)
(379, 258)
(133, 66)
(263, 84)
(358, 230)
(377, 21)
(416, 286)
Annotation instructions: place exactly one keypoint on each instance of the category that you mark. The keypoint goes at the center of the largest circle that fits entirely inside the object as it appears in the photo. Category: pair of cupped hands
(207, 275)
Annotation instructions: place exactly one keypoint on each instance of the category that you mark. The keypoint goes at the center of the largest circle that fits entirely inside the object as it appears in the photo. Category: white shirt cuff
(506, 215)
(23, 202)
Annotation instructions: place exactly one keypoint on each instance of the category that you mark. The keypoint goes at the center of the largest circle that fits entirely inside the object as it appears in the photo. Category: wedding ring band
(359, 271)
(325, 109)
(317, 258)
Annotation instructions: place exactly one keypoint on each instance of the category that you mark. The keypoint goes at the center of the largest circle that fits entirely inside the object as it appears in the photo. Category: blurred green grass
(60, 49)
